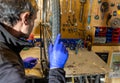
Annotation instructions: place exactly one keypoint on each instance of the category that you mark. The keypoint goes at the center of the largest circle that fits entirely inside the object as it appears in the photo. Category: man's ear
(24, 17)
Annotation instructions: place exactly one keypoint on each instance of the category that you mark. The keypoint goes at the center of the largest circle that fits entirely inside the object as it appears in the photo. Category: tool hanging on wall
(70, 8)
(114, 13)
(82, 9)
(118, 6)
(108, 18)
(66, 6)
(96, 17)
(89, 14)
(69, 21)
(112, 4)
(99, 1)
(74, 14)
(74, 8)
(61, 6)
(104, 8)
(74, 20)
(115, 23)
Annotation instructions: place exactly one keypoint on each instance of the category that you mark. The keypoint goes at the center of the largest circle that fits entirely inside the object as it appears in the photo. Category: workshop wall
(36, 29)
(72, 27)
(71, 24)
(110, 18)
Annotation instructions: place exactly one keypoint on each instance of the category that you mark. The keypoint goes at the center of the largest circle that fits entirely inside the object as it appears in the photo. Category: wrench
(82, 9)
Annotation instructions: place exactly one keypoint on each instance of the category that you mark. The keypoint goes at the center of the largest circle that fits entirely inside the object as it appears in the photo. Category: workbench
(35, 53)
(83, 63)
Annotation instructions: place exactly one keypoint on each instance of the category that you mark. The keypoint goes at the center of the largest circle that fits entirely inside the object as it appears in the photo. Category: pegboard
(75, 29)
(83, 28)
(96, 10)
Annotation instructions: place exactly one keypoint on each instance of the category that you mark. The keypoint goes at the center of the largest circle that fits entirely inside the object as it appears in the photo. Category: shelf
(106, 44)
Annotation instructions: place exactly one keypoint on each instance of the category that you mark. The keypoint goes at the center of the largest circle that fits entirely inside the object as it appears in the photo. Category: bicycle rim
(51, 31)
(51, 25)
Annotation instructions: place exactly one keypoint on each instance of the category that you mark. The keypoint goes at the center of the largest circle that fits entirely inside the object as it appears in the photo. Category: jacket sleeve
(57, 76)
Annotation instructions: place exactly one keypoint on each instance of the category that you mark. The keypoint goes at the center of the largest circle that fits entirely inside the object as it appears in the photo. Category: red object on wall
(31, 37)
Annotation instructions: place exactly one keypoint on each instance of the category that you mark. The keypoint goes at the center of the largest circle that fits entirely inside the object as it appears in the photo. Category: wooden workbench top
(83, 63)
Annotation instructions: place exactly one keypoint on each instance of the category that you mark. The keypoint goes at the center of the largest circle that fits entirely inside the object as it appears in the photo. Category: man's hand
(58, 54)
(30, 62)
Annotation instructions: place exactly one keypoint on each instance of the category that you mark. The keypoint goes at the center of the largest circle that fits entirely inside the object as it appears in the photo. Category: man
(16, 22)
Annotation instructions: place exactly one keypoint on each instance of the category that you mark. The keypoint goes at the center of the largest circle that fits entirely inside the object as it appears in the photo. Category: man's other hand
(58, 54)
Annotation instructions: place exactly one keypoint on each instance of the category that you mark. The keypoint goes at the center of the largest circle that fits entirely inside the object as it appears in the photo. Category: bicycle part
(115, 23)
(51, 27)
(55, 18)
(43, 58)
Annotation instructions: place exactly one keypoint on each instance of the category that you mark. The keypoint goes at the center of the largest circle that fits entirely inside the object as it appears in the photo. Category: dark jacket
(11, 64)
(57, 76)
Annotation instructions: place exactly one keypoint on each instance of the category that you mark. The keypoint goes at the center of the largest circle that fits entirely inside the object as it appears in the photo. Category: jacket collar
(12, 42)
